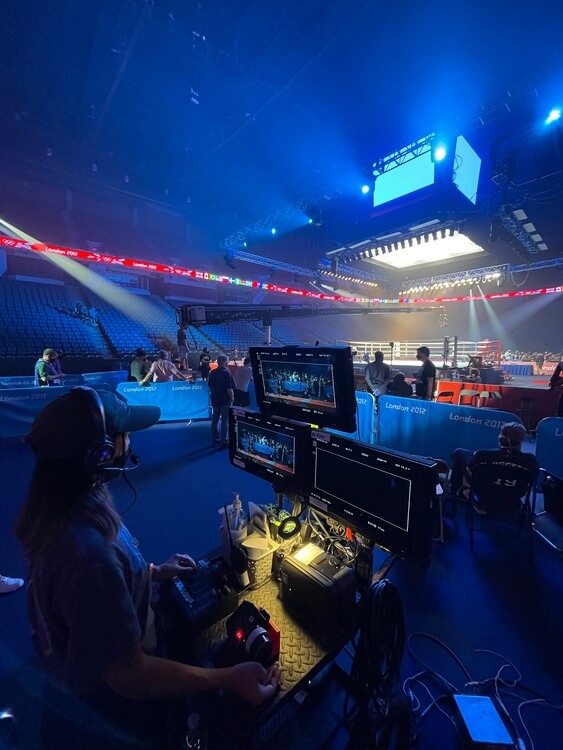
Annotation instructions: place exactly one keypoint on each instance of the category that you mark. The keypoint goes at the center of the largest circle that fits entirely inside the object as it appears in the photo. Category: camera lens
(259, 646)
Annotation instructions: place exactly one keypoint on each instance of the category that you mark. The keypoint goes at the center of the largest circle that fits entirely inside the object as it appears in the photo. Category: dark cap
(66, 426)
(123, 417)
(140, 353)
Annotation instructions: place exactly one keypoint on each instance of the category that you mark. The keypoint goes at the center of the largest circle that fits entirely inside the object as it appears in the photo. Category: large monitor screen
(381, 494)
(408, 177)
(309, 384)
(271, 448)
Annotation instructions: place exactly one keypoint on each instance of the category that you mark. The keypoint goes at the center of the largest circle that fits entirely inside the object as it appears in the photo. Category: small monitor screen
(271, 448)
(310, 384)
(381, 494)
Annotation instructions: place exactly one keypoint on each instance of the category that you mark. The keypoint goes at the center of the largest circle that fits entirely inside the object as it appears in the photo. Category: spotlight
(273, 230)
(310, 221)
(440, 153)
(553, 116)
(365, 189)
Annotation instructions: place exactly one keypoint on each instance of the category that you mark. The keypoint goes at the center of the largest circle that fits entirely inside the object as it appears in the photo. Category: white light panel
(427, 250)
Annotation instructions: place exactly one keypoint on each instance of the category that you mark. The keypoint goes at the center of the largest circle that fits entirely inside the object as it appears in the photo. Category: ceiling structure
(249, 116)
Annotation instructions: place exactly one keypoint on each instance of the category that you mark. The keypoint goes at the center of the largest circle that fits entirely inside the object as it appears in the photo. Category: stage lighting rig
(518, 225)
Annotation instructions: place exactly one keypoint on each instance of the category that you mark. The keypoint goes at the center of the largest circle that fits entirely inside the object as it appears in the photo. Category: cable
(433, 638)
(491, 686)
(135, 494)
(537, 701)
(375, 672)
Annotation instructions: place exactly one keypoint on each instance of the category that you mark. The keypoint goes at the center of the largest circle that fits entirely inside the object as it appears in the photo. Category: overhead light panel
(520, 214)
(437, 249)
(529, 227)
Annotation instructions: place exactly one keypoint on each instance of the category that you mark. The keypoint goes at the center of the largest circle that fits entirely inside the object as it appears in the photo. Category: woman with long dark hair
(89, 588)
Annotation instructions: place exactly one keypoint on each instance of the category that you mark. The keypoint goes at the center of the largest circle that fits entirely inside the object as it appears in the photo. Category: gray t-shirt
(88, 602)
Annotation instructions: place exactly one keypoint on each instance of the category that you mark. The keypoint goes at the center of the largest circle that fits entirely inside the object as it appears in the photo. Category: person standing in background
(182, 341)
(242, 377)
(377, 375)
(556, 383)
(222, 392)
(46, 371)
(205, 363)
(139, 366)
(426, 376)
(163, 371)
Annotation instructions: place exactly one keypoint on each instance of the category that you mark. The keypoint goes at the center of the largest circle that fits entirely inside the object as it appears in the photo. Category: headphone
(102, 450)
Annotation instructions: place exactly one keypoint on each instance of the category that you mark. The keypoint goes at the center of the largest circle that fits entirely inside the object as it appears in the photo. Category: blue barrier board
(177, 400)
(549, 445)
(427, 428)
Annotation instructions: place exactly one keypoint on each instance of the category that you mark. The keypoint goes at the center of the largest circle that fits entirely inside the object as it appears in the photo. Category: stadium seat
(503, 487)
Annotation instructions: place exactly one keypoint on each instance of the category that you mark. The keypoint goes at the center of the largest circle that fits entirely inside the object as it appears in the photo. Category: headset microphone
(115, 471)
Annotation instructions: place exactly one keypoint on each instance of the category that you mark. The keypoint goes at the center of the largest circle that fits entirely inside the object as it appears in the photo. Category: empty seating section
(197, 338)
(238, 335)
(291, 332)
(286, 332)
(131, 321)
(128, 322)
(35, 316)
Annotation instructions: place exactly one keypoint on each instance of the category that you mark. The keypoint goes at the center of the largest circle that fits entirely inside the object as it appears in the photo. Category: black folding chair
(500, 491)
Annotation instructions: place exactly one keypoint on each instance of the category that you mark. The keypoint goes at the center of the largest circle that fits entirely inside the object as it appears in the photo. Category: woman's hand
(254, 684)
(174, 566)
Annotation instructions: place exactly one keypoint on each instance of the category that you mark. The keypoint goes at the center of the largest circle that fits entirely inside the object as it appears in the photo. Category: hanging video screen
(383, 495)
(271, 448)
(312, 384)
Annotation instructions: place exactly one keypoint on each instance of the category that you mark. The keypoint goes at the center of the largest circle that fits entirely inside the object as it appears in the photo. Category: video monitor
(271, 448)
(381, 494)
(309, 384)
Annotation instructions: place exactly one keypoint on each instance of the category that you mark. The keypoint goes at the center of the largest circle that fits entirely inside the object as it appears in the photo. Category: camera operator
(89, 589)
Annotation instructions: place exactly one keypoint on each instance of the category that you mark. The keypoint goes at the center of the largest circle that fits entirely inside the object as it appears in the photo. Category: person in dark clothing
(509, 454)
(182, 341)
(399, 387)
(556, 383)
(556, 380)
(89, 590)
(426, 376)
(204, 363)
(222, 391)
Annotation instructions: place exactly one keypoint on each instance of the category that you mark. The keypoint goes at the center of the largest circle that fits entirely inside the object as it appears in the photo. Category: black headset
(102, 449)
